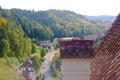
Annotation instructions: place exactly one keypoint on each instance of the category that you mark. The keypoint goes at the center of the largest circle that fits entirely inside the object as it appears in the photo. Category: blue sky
(85, 7)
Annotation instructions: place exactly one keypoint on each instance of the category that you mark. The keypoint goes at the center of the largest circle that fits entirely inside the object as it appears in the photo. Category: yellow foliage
(3, 21)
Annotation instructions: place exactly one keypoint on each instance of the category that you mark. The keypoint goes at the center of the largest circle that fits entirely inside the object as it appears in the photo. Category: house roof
(106, 64)
(27, 63)
(93, 37)
(90, 37)
(76, 48)
(111, 41)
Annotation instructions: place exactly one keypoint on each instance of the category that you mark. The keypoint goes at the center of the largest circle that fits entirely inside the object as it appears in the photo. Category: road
(45, 69)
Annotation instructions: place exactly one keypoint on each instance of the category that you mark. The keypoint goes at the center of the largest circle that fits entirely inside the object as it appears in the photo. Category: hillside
(19, 27)
(59, 24)
(15, 46)
(21, 30)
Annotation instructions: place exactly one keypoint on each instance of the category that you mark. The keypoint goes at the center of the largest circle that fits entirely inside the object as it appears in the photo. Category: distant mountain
(47, 25)
(66, 16)
(19, 27)
(102, 18)
(20, 30)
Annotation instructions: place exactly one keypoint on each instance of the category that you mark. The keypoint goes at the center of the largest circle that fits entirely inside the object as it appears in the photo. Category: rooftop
(106, 64)
(27, 63)
(76, 48)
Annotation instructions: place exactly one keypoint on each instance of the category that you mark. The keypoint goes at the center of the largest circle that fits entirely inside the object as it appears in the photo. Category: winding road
(45, 69)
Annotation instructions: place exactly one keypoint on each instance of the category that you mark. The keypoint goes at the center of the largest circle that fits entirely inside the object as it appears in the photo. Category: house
(76, 55)
(93, 37)
(27, 70)
(45, 44)
(90, 37)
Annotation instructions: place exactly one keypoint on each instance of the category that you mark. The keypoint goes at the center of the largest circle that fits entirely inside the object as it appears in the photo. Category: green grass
(6, 73)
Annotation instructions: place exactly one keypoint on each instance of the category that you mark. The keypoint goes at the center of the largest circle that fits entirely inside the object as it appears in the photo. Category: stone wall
(106, 64)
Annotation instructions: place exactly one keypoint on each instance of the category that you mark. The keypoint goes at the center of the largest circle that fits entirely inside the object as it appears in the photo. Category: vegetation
(56, 67)
(22, 30)
(46, 25)
(56, 46)
(34, 48)
(13, 43)
(36, 62)
(5, 71)
(15, 46)
(43, 52)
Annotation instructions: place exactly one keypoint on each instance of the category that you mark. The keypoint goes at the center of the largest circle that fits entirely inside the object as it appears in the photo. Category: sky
(84, 7)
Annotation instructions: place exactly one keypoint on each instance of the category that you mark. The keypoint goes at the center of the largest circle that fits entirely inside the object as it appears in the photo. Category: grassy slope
(6, 73)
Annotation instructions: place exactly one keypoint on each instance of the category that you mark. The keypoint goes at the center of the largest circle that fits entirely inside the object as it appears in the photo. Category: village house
(27, 70)
(76, 55)
(45, 44)
(93, 37)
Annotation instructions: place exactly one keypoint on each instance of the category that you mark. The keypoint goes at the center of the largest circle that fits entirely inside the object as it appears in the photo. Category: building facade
(27, 70)
(45, 44)
(76, 69)
(76, 58)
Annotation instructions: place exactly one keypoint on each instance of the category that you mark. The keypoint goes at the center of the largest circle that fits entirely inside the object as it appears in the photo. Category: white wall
(76, 69)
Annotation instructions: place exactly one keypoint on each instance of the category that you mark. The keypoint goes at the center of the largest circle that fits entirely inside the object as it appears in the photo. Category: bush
(56, 66)
(43, 52)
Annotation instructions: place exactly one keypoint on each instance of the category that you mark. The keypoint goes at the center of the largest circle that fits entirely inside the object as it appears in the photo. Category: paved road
(45, 69)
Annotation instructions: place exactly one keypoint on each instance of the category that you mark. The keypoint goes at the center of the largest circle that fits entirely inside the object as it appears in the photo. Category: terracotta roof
(106, 64)
(27, 63)
(76, 48)
(90, 37)
(112, 38)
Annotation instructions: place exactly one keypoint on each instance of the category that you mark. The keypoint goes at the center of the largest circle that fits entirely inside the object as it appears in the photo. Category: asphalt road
(45, 69)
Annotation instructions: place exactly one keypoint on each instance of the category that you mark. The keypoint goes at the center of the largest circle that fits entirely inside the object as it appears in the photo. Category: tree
(4, 47)
(33, 48)
(43, 52)
(56, 46)
(36, 62)
(3, 21)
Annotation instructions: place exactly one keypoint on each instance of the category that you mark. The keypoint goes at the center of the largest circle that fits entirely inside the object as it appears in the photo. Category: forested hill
(13, 41)
(46, 25)
(21, 29)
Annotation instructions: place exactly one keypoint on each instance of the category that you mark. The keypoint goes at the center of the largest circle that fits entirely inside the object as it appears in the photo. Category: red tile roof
(90, 37)
(106, 63)
(76, 48)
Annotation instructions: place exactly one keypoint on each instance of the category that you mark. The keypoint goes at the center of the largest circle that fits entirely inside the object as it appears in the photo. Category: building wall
(106, 63)
(76, 69)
